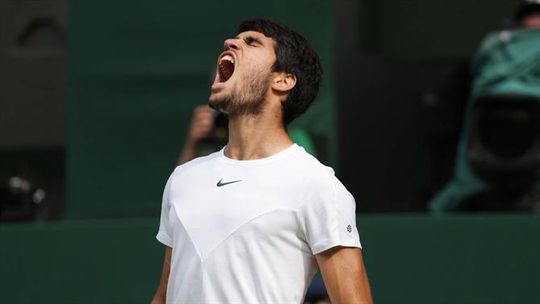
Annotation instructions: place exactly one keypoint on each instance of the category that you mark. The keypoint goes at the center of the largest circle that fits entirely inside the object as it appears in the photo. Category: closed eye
(252, 40)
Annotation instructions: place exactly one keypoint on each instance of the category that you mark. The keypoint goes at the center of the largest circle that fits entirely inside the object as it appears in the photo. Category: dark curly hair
(293, 55)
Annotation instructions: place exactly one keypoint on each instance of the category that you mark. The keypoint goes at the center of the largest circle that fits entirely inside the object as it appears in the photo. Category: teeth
(228, 58)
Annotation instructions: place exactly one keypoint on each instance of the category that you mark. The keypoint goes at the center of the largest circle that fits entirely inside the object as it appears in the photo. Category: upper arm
(327, 216)
(344, 275)
(167, 262)
(161, 291)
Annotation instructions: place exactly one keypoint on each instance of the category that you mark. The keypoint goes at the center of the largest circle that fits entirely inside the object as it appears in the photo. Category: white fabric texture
(247, 231)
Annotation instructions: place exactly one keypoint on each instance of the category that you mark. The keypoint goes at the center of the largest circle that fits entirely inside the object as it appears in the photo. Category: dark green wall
(137, 69)
(410, 259)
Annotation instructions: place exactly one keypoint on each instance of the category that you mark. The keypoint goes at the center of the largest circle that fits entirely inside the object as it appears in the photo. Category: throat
(251, 138)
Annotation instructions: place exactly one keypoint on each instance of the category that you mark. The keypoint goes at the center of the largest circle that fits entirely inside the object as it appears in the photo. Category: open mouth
(225, 68)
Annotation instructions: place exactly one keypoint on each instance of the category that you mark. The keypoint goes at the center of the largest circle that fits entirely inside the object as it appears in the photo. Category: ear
(283, 82)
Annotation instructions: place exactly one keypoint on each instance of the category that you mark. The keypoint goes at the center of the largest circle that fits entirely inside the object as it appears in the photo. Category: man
(527, 14)
(250, 223)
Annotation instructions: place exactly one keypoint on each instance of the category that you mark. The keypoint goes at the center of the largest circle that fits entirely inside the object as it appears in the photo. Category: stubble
(246, 97)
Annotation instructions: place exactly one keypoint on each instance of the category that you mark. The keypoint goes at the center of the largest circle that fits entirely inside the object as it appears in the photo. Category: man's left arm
(344, 275)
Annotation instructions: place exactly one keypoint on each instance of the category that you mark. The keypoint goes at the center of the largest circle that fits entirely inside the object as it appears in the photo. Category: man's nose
(231, 44)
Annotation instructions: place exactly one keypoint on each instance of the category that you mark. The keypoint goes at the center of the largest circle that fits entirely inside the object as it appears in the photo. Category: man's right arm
(161, 293)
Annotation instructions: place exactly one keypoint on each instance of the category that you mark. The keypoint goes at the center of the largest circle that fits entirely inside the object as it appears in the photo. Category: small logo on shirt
(220, 184)
(349, 228)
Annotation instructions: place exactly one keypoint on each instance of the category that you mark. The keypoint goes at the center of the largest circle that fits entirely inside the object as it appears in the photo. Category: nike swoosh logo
(220, 184)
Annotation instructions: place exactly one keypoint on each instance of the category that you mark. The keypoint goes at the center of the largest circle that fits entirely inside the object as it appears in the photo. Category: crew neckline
(263, 160)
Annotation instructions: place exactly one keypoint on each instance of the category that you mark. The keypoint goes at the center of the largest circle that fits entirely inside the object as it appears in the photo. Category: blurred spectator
(206, 134)
(528, 14)
(498, 159)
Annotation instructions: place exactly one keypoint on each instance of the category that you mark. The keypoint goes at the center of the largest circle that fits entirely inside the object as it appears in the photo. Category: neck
(254, 137)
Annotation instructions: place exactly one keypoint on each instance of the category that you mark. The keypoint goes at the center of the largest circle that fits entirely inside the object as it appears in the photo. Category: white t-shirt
(247, 231)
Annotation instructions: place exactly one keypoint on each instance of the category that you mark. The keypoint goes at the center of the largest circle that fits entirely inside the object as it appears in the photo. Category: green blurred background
(97, 116)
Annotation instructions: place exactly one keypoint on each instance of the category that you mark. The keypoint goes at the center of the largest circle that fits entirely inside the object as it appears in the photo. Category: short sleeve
(328, 216)
(165, 230)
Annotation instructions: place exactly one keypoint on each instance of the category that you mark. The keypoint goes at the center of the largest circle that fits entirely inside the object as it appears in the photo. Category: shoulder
(315, 173)
(320, 180)
(310, 164)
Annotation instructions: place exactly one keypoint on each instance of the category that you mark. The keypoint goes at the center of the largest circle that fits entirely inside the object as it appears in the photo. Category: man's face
(243, 74)
(532, 21)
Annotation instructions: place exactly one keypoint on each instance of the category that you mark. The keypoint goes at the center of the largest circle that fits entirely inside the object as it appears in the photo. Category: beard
(246, 97)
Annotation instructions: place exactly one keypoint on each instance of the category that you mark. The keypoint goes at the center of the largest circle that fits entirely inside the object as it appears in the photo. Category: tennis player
(251, 223)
